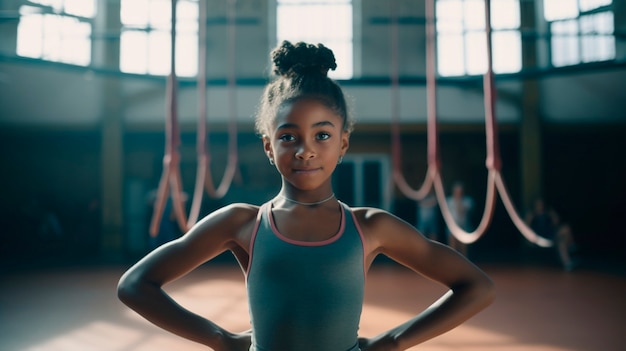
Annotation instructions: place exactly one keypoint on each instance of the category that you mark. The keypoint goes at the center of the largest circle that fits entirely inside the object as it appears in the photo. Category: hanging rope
(204, 179)
(396, 148)
(170, 178)
(495, 183)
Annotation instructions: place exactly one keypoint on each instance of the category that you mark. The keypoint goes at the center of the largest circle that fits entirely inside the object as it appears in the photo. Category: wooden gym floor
(538, 308)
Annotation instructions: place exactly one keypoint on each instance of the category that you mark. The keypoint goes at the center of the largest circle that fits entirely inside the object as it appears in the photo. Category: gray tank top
(305, 296)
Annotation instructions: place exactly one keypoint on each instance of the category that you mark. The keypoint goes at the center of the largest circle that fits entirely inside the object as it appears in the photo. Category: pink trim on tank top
(358, 229)
(255, 230)
(334, 238)
(330, 240)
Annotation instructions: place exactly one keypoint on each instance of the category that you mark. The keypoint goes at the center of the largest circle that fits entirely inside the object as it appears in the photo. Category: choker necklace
(308, 203)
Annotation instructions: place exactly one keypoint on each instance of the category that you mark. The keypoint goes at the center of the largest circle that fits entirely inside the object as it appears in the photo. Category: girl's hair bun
(302, 59)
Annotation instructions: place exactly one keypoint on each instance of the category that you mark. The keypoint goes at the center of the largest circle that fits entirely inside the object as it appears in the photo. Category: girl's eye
(323, 136)
(287, 137)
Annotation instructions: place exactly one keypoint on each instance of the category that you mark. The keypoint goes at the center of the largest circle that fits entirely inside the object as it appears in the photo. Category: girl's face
(306, 141)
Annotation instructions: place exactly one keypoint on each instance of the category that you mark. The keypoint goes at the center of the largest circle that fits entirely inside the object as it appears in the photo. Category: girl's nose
(305, 151)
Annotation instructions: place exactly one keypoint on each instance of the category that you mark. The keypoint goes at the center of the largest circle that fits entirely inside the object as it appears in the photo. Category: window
(145, 42)
(319, 21)
(364, 180)
(580, 31)
(461, 42)
(56, 30)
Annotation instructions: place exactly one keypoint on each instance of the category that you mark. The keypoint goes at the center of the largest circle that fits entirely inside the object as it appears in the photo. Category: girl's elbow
(124, 291)
(128, 289)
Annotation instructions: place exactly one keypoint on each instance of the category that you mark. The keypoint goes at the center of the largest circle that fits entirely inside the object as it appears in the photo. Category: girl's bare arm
(140, 288)
(471, 290)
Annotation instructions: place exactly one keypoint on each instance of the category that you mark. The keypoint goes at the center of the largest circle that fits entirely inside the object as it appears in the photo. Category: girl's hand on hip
(237, 341)
(379, 343)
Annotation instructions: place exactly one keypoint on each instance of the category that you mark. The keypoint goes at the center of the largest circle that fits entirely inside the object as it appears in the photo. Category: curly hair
(301, 72)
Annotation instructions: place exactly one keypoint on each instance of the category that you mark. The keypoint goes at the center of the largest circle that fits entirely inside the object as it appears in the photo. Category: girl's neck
(312, 198)
(303, 203)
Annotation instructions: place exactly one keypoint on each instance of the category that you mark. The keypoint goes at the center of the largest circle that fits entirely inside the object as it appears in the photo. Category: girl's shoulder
(387, 233)
(227, 228)
(239, 214)
(368, 213)
(240, 209)
(230, 220)
(372, 220)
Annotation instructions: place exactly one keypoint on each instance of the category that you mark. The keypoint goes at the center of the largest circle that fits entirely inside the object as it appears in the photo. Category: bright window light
(134, 13)
(588, 5)
(475, 53)
(597, 42)
(505, 14)
(507, 51)
(560, 9)
(60, 31)
(474, 15)
(461, 41)
(30, 36)
(134, 46)
(145, 42)
(82, 8)
(451, 55)
(577, 35)
(565, 44)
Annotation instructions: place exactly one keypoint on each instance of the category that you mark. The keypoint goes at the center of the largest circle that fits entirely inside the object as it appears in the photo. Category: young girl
(304, 253)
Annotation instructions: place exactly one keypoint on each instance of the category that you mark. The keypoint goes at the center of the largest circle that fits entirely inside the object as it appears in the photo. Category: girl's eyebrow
(314, 125)
(323, 124)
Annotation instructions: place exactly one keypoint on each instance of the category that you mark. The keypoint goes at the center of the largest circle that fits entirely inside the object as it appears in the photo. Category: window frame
(57, 39)
(578, 39)
(458, 32)
(150, 42)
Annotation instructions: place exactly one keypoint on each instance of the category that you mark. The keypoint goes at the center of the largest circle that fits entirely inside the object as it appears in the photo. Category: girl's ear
(345, 142)
(267, 147)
